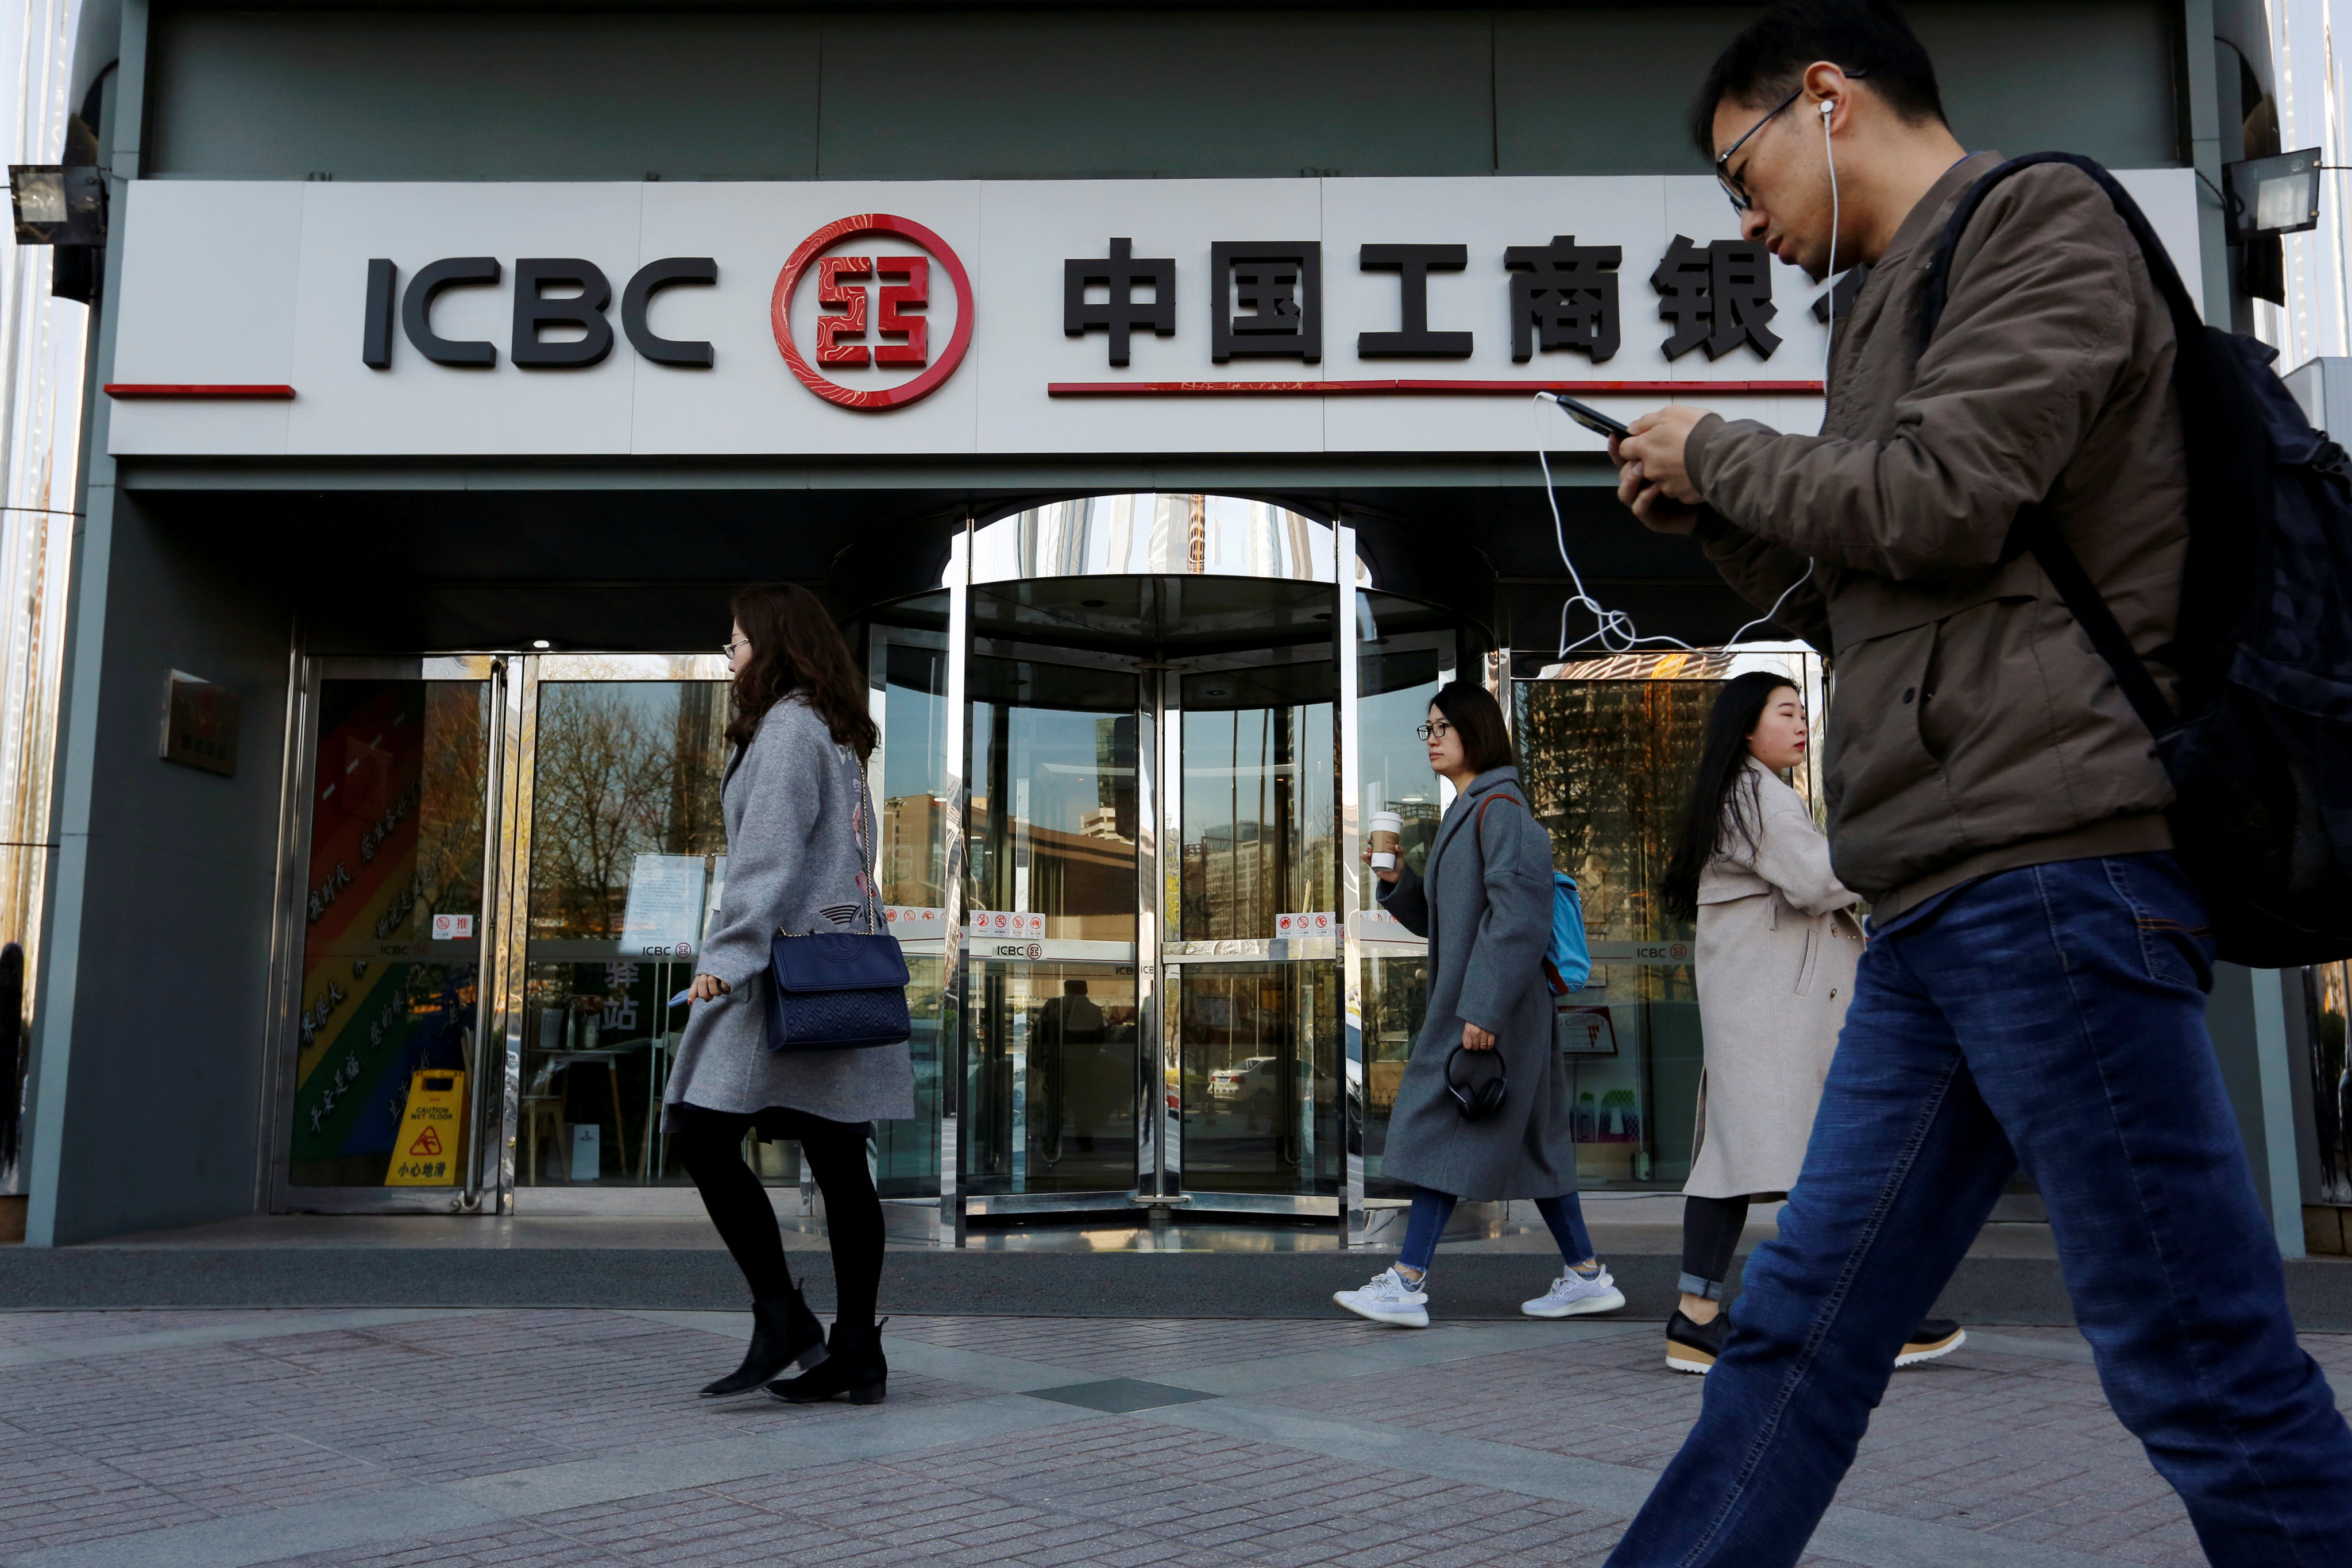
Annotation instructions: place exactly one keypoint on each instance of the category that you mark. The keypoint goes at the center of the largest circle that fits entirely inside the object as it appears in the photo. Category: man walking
(2035, 990)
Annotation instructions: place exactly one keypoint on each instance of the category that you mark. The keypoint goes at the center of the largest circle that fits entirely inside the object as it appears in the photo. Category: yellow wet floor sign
(431, 1142)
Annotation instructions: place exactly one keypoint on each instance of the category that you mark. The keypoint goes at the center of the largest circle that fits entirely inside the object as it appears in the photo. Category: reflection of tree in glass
(451, 796)
(624, 770)
(1607, 764)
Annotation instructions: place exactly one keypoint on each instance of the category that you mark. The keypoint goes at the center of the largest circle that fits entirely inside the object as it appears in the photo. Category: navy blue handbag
(834, 991)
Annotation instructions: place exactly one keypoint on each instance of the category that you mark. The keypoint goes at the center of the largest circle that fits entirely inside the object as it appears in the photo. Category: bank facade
(1151, 392)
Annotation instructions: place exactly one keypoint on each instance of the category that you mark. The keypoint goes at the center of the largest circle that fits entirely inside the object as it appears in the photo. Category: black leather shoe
(1693, 1347)
(1932, 1338)
(854, 1366)
(784, 1333)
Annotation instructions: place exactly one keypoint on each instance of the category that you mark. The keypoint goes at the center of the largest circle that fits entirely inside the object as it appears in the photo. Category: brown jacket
(1972, 728)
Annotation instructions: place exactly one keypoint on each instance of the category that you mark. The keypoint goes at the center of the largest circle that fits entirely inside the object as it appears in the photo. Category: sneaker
(1933, 1337)
(1693, 1347)
(1572, 1295)
(1388, 1299)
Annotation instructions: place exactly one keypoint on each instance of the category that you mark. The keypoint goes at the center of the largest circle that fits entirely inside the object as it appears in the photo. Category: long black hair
(1718, 808)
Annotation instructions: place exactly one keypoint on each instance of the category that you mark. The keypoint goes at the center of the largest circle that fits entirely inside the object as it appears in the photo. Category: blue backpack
(2260, 752)
(1568, 963)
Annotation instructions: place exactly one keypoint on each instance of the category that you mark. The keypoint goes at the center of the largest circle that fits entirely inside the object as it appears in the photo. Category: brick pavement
(452, 1439)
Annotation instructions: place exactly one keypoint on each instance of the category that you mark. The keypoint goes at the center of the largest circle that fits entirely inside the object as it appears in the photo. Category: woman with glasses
(800, 847)
(1482, 1112)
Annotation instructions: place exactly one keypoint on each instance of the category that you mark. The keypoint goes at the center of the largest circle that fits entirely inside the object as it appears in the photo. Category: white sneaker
(1389, 1300)
(1572, 1295)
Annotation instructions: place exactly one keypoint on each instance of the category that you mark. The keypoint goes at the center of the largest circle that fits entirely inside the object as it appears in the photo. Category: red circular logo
(846, 336)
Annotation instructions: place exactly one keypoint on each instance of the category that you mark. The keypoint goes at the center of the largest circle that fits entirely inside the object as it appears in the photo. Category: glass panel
(1607, 766)
(1053, 805)
(1259, 836)
(2330, 992)
(914, 775)
(628, 850)
(1396, 1002)
(1396, 688)
(1054, 1077)
(906, 1154)
(390, 974)
(1260, 1049)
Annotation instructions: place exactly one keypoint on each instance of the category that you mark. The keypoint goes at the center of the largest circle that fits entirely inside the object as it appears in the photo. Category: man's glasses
(1435, 730)
(1736, 188)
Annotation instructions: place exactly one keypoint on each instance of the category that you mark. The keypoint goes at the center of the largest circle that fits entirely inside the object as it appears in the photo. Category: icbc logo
(873, 311)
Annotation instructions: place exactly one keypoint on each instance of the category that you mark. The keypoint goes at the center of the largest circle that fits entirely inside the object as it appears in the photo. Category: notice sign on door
(452, 927)
(1006, 922)
(909, 922)
(664, 915)
(1585, 1031)
(430, 1147)
(1306, 922)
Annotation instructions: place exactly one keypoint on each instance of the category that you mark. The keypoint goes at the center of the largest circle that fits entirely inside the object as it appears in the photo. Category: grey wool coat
(1778, 948)
(1485, 904)
(795, 804)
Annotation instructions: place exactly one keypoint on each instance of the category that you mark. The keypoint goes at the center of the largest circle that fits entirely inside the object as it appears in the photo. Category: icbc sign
(872, 311)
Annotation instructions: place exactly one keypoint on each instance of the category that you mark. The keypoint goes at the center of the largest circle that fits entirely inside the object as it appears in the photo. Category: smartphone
(1591, 418)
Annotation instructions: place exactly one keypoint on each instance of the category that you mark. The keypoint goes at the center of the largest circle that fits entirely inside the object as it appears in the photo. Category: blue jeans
(1563, 1216)
(2054, 1015)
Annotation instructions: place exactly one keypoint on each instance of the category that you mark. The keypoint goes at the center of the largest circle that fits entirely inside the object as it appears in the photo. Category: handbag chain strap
(864, 857)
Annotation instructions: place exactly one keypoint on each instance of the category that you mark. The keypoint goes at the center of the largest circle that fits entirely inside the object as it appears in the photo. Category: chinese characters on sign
(1120, 273)
(1272, 303)
(1266, 298)
(1717, 296)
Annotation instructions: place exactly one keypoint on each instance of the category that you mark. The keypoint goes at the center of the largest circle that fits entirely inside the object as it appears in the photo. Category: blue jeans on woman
(1564, 1216)
(2053, 1016)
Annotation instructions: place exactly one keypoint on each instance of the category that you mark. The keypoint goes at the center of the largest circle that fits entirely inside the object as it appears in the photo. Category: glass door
(1053, 1049)
(1254, 923)
(379, 1060)
(623, 851)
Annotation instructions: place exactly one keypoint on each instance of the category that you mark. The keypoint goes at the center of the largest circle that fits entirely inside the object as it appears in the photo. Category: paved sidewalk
(448, 1438)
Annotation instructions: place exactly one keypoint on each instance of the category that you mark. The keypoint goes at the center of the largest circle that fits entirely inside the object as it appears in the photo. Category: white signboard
(974, 316)
(662, 918)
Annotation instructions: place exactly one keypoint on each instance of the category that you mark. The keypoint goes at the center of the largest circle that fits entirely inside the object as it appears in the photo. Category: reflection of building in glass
(1102, 822)
(1237, 876)
(913, 846)
(1083, 883)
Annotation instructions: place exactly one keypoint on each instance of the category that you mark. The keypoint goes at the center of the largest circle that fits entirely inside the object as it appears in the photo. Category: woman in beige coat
(1777, 946)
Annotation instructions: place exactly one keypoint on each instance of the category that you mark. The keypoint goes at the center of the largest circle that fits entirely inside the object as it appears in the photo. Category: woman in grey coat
(800, 858)
(1485, 903)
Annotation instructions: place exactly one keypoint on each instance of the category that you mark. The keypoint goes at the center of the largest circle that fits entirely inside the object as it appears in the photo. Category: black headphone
(1481, 1100)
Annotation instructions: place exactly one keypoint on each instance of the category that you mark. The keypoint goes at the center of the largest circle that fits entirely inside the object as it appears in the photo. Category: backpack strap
(1479, 827)
(2185, 322)
(2035, 530)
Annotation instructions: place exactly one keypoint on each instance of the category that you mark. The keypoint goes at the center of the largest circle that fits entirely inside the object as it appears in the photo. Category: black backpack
(2260, 753)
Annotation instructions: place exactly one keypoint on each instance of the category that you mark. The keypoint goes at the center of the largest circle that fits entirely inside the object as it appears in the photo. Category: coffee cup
(1388, 838)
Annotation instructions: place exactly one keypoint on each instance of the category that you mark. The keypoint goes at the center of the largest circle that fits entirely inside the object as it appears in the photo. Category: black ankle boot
(853, 1365)
(784, 1332)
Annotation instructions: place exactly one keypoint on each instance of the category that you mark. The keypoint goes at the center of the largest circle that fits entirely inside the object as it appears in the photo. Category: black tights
(710, 1144)
(1711, 1229)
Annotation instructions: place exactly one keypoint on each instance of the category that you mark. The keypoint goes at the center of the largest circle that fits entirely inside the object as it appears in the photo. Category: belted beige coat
(1777, 946)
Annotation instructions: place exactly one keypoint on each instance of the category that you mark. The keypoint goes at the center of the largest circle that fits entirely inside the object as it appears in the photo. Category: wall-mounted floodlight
(59, 204)
(2272, 195)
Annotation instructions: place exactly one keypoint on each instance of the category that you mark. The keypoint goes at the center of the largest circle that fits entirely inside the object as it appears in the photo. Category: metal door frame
(282, 1049)
(514, 830)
